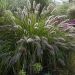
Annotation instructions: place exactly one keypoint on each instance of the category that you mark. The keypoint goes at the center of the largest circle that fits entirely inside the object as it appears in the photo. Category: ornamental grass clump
(34, 47)
(37, 49)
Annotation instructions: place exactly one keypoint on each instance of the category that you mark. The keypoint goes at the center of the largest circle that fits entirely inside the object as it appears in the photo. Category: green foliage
(3, 4)
(7, 18)
(61, 9)
(71, 12)
(22, 72)
(37, 67)
(42, 1)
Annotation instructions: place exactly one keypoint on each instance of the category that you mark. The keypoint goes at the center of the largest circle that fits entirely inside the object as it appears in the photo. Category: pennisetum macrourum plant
(34, 47)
